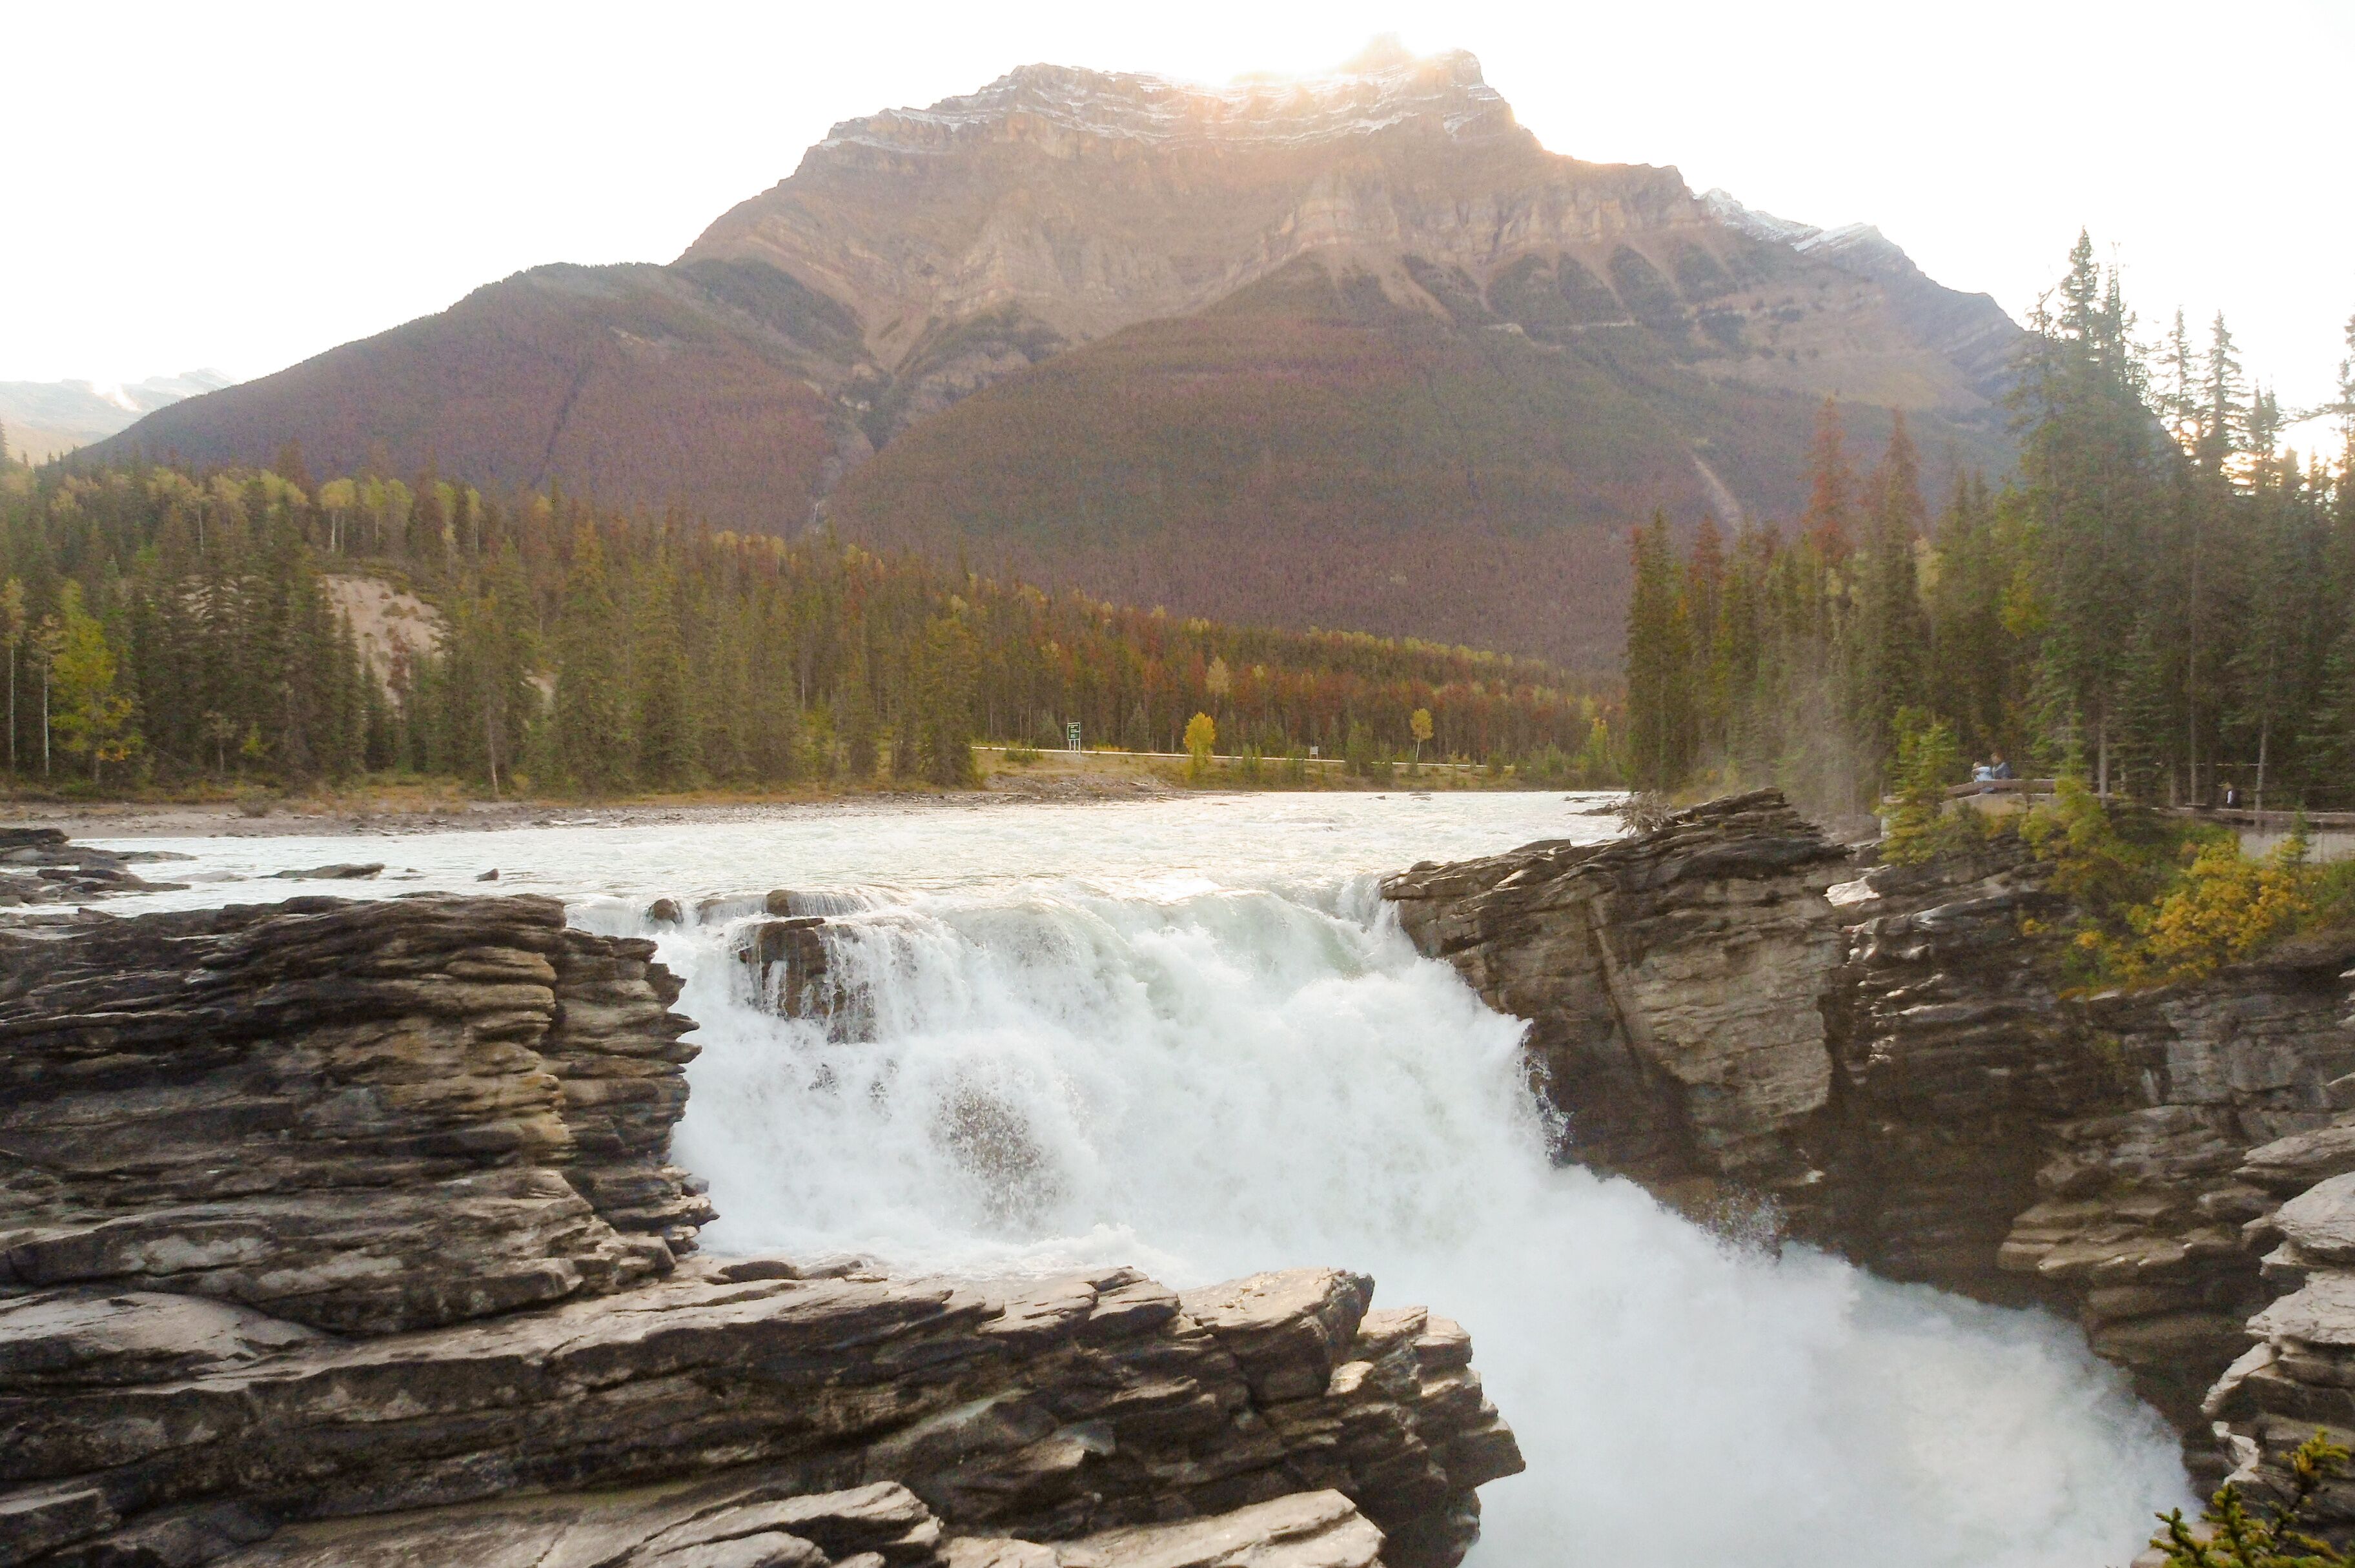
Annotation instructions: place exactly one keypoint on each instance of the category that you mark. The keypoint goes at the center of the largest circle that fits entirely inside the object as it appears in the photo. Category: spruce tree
(856, 721)
(1831, 484)
(593, 743)
(944, 703)
(665, 707)
(1659, 664)
(2090, 470)
(1890, 638)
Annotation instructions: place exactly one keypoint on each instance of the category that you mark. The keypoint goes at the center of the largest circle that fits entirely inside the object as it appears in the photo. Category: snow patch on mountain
(1854, 247)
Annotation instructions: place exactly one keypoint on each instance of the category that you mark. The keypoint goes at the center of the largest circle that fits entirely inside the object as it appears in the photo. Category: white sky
(244, 185)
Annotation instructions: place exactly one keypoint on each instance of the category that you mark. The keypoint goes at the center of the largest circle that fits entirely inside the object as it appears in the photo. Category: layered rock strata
(365, 1117)
(341, 1232)
(745, 1521)
(1732, 1009)
(1671, 981)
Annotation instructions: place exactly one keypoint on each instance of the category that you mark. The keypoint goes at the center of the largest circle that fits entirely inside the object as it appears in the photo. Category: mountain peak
(1381, 89)
(1382, 52)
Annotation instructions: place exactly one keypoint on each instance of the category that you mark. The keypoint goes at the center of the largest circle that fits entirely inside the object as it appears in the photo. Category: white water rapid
(1185, 1035)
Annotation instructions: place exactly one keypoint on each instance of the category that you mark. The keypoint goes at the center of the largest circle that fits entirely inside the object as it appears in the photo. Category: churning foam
(1217, 1082)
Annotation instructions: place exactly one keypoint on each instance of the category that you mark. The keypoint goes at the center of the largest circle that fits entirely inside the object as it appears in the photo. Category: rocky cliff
(341, 1232)
(1736, 1012)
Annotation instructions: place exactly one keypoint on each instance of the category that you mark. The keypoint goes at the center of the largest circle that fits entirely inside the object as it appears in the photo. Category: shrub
(1919, 825)
(2161, 902)
(2102, 860)
(2226, 907)
(2236, 1538)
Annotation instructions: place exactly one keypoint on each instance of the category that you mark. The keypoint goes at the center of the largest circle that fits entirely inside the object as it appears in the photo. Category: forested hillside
(164, 625)
(1350, 351)
(2165, 598)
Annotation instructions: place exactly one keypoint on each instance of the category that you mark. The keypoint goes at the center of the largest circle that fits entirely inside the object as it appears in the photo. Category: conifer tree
(1830, 485)
(665, 711)
(1659, 664)
(944, 703)
(591, 736)
(861, 743)
(2146, 721)
(1890, 636)
(2089, 470)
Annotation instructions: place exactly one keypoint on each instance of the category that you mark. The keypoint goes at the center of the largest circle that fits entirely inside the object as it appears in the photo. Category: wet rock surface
(41, 866)
(342, 1232)
(1735, 1012)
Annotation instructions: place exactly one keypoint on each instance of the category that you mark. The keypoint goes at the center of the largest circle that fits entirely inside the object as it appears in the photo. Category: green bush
(2161, 902)
(1920, 824)
(2234, 1537)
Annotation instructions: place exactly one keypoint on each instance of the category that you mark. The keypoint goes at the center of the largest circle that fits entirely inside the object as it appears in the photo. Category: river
(1184, 1034)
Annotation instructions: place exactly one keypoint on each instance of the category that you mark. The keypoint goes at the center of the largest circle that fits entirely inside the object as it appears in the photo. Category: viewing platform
(2329, 834)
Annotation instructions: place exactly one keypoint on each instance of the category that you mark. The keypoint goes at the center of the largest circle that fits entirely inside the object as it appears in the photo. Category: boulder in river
(41, 866)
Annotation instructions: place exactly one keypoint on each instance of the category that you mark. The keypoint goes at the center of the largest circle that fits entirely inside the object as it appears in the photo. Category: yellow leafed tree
(1201, 735)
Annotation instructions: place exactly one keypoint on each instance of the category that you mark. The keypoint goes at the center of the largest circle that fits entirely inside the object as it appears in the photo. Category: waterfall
(1234, 1079)
(1182, 1034)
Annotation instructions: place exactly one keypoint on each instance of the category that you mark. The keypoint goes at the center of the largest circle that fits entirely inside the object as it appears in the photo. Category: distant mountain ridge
(46, 419)
(1354, 351)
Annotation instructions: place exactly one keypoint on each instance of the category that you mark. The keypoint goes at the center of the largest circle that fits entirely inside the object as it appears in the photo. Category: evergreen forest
(2160, 600)
(167, 628)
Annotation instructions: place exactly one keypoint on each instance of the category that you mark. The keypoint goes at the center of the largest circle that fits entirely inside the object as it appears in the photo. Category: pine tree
(945, 704)
(861, 742)
(2145, 720)
(665, 709)
(1659, 665)
(2090, 472)
(2328, 742)
(1890, 636)
(1831, 484)
(592, 738)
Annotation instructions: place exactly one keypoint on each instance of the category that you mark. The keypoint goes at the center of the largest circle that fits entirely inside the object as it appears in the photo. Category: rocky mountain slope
(1353, 351)
(342, 1233)
(1741, 1016)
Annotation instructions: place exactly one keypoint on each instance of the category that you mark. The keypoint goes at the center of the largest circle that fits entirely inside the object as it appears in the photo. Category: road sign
(1072, 735)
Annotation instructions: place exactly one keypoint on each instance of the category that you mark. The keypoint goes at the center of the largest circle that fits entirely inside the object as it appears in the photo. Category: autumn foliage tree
(1201, 737)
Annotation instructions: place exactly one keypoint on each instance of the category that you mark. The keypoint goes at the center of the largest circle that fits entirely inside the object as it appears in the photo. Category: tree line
(2161, 598)
(164, 625)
